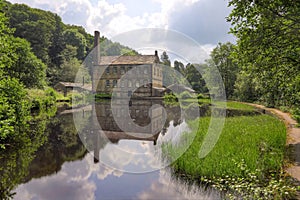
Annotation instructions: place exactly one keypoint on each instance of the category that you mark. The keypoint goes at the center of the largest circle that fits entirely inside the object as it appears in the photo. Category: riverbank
(293, 138)
(20, 140)
(247, 161)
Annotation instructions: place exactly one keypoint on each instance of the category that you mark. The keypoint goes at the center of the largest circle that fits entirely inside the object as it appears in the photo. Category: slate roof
(128, 60)
(74, 85)
(180, 88)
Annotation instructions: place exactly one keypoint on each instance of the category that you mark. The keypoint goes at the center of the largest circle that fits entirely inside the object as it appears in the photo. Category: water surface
(79, 160)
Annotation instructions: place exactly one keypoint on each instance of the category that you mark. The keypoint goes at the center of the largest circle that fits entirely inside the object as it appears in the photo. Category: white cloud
(70, 183)
(203, 20)
(73, 181)
(110, 19)
(167, 187)
(167, 6)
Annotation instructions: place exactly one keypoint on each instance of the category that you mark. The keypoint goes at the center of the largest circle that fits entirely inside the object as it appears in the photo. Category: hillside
(61, 47)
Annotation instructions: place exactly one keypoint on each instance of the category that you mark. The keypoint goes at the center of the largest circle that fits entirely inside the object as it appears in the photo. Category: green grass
(247, 160)
(171, 99)
(204, 101)
(239, 106)
(257, 140)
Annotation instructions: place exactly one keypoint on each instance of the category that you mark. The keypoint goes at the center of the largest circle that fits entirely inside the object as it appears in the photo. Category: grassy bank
(247, 160)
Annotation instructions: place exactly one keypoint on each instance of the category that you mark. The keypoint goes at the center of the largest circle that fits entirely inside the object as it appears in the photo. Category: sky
(201, 20)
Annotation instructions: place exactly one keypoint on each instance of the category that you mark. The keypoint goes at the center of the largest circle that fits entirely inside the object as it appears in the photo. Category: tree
(57, 43)
(76, 39)
(17, 60)
(245, 87)
(169, 75)
(26, 67)
(48, 37)
(213, 79)
(28, 21)
(179, 66)
(71, 66)
(128, 52)
(268, 47)
(165, 59)
(194, 77)
(221, 58)
(7, 55)
(69, 70)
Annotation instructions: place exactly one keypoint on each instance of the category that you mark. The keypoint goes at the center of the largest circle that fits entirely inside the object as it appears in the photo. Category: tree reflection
(41, 151)
(16, 158)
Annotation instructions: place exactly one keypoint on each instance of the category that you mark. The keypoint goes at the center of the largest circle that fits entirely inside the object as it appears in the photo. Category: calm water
(87, 155)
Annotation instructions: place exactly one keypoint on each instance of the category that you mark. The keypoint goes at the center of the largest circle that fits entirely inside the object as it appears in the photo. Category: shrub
(102, 96)
(200, 96)
(14, 109)
(170, 98)
(41, 99)
(296, 114)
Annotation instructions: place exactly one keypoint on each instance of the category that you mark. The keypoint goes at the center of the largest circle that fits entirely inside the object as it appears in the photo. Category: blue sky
(202, 20)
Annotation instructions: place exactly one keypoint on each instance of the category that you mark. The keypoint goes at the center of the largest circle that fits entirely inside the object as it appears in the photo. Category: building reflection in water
(137, 120)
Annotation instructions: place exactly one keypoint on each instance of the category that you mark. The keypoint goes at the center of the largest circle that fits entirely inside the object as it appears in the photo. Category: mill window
(115, 70)
(107, 83)
(114, 83)
(107, 70)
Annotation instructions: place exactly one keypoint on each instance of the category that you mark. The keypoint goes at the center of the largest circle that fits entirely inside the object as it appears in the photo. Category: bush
(14, 110)
(203, 96)
(170, 98)
(76, 97)
(102, 96)
(200, 96)
(296, 114)
(41, 100)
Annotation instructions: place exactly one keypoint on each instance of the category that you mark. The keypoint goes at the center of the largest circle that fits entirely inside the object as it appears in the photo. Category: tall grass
(247, 160)
(239, 106)
(257, 140)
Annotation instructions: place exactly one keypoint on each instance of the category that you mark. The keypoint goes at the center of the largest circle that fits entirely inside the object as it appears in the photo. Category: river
(98, 152)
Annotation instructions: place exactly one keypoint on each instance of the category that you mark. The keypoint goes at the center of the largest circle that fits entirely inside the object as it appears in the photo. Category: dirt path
(293, 137)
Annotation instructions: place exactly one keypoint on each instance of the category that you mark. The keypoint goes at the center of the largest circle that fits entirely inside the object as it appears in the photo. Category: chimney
(96, 38)
(97, 47)
(96, 59)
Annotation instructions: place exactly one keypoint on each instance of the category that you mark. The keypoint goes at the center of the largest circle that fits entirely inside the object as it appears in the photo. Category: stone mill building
(137, 75)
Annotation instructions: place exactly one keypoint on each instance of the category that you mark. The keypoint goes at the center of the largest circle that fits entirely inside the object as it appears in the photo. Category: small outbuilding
(178, 88)
(66, 87)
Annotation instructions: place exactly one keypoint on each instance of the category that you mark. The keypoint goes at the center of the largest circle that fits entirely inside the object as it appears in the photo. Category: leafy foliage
(54, 38)
(26, 67)
(170, 98)
(221, 59)
(179, 73)
(268, 49)
(74, 38)
(19, 68)
(275, 186)
(13, 110)
(165, 59)
(193, 76)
